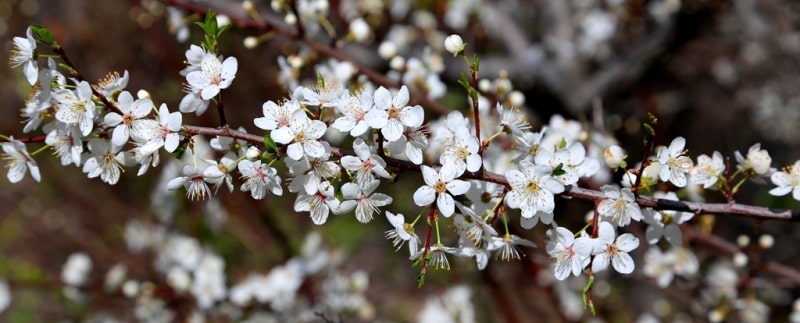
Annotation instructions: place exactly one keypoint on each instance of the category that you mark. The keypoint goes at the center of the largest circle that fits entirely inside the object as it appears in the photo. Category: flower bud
(143, 94)
(516, 98)
(387, 50)
(252, 153)
(759, 160)
(223, 20)
(454, 44)
(766, 241)
(614, 156)
(397, 63)
(359, 29)
(250, 42)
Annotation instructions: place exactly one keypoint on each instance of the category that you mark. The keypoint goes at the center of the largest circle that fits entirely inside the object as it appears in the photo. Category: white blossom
(259, 178)
(18, 161)
(76, 108)
(674, 163)
(532, 189)
(608, 250)
(787, 180)
(361, 198)
(757, 161)
(391, 114)
(301, 136)
(619, 206)
(708, 170)
(23, 54)
(440, 186)
(570, 255)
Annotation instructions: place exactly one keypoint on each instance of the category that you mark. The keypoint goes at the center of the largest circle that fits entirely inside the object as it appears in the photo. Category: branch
(727, 209)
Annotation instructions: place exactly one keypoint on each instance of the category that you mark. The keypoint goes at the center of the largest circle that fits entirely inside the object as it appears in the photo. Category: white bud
(143, 94)
(397, 63)
(387, 50)
(290, 19)
(484, 85)
(114, 277)
(248, 5)
(130, 289)
(759, 160)
(743, 241)
(277, 5)
(454, 44)
(295, 61)
(629, 179)
(252, 153)
(179, 279)
(739, 259)
(716, 315)
(250, 42)
(614, 156)
(223, 20)
(766, 241)
(359, 29)
(516, 98)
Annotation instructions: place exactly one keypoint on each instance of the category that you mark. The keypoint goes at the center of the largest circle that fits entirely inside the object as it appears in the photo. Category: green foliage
(212, 30)
(43, 35)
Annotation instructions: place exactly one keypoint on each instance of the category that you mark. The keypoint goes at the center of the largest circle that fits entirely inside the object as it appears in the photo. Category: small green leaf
(652, 118)
(559, 170)
(649, 130)
(464, 81)
(475, 63)
(43, 34)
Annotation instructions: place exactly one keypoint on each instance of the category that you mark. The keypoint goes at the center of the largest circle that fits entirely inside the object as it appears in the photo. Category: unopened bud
(252, 152)
(290, 19)
(739, 259)
(614, 156)
(250, 42)
(143, 94)
(397, 63)
(454, 44)
(359, 29)
(223, 20)
(248, 6)
(387, 50)
(743, 241)
(516, 98)
(766, 241)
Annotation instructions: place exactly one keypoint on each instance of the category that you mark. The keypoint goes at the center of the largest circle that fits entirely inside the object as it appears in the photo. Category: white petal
(600, 262)
(627, 242)
(623, 263)
(458, 187)
(445, 204)
(282, 135)
(313, 148)
(673, 235)
(425, 195)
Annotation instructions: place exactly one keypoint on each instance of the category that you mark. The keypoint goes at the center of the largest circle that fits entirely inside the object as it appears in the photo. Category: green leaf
(44, 35)
(464, 81)
(649, 130)
(559, 170)
(475, 63)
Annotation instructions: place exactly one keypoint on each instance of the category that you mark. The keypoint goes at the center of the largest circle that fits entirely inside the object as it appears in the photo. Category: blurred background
(723, 74)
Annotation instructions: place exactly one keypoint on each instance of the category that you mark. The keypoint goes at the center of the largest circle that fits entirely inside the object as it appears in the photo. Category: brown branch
(734, 209)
